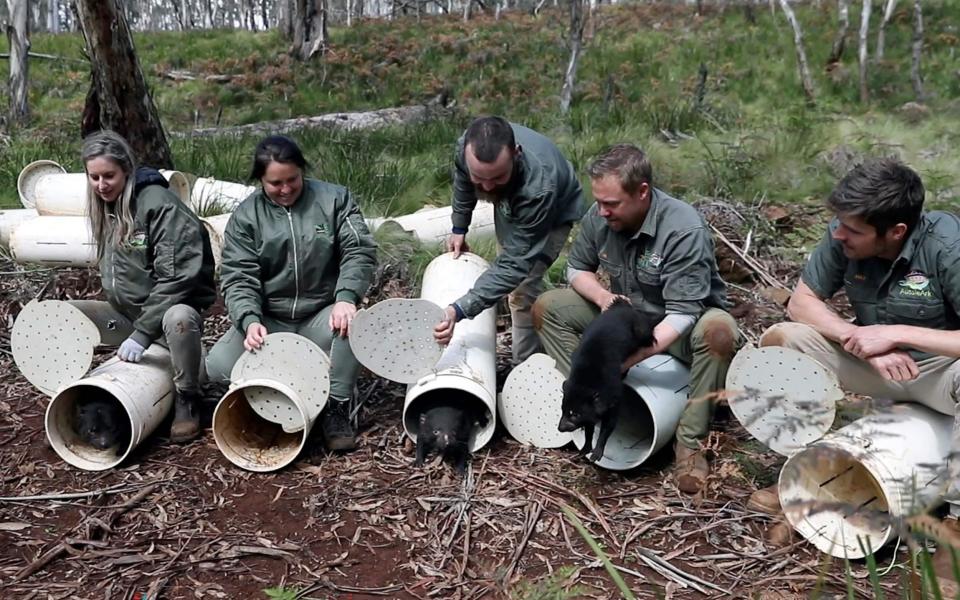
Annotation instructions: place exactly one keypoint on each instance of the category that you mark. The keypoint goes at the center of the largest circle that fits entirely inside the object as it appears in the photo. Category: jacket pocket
(163, 261)
(931, 315)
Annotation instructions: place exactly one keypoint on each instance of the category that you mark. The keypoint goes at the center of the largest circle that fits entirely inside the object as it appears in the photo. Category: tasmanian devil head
(101, 423)
(581, 406)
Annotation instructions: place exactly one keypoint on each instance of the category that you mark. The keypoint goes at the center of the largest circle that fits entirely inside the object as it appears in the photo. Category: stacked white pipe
(433, 224)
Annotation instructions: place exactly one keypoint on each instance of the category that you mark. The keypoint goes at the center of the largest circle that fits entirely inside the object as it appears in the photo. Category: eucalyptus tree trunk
(917, 50)
(805, 80)
(119, 98)
(888, 9)
(19, 42)
(467, 6)
(840, 40)
(53, 16)
(862, 53)
(576, 44)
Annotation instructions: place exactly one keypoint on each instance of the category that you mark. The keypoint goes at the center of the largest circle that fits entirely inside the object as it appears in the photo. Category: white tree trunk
(349, 13)
(862, 54)
(184, 15)
(891, 5)
(19, 42)
(467, 5)
(805, 80)
(576, 43)
(917, 50)
(840, 41)
(53, 16)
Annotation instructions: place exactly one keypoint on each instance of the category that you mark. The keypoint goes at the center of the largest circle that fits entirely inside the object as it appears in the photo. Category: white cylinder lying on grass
(216, 225)
(467, 369)
(11, 219)
(30, 176)
(846, 492)
(65, 194)
(433, 225)
(64, 241)
(276, 394)
(209, 194)
(145, 392)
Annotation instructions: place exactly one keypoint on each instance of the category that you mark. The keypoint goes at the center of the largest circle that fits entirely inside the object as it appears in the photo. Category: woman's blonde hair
(111, 145)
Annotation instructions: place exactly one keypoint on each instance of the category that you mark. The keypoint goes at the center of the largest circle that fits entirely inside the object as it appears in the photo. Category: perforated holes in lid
(30, 174)
(530, 404)
(394, 338)
(784, 398)
(52, 343)
(294, 361)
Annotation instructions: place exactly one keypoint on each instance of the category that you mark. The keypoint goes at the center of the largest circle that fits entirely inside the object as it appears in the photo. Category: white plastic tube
(845, 492)
(11, 219)
(216, 225)
(30, 175)
(648, 418)
(65, 194)
(49, 240)
(145, 391)
(467, 369)
(209, 193)
(433, 225)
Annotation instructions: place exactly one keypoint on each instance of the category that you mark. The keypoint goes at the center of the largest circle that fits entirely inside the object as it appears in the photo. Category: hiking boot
(946, 560)
(780, 534)
(339, 432)
(691, 469)
(186, 417)
(765, 500)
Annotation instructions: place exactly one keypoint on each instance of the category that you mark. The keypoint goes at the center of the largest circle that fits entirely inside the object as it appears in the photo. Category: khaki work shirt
(921, 287)
(667, 267)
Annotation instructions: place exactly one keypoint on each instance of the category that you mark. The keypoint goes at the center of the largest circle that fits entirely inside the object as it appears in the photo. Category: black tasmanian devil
(446, 426)
(101, 421)
(592, 392)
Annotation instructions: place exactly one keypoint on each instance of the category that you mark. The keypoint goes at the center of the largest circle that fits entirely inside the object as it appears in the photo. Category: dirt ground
(183, 522)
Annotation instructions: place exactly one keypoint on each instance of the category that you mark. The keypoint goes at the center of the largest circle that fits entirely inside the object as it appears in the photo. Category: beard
(502, 192)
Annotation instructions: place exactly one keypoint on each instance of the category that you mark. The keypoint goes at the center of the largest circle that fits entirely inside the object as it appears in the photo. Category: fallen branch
(691, 580)
(116, 489)
(753, 264)
(46, 56)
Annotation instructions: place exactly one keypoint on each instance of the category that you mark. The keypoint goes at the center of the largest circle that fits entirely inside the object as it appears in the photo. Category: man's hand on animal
(610, 298)
(256, 333)
(870, 340)
(341, 316)
(896, 365)
(457, 243)
(443, 331)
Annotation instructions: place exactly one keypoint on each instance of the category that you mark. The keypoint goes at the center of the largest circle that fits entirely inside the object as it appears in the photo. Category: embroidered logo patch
(138, 239)
(915, 284)
(321, 229)
(650, 259)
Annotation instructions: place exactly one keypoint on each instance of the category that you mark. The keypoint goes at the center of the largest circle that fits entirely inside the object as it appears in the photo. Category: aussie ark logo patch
(916, 285)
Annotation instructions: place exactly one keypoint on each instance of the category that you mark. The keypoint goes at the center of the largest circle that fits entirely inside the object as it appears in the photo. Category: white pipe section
(648, 418)
(433, 224)
(65, 194)
(10, 219)
(145, 392)
(216, 226)
(30, 175)
(845, 492)
(252, 442)
(209, 194)
(467, 369)
(49, 240)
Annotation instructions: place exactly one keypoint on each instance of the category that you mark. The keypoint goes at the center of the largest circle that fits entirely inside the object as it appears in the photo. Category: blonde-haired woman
(156, 268)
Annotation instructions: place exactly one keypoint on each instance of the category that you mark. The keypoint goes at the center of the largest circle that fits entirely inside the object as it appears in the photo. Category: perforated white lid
(30, 174)
(784, 398)
(294, 361)
(53, 344)
(394, 338)
(530, 403)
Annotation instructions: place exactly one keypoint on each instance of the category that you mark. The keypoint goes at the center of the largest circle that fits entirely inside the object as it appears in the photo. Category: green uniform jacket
(168, 260)
(667, 267)
(920, 288)
(547, 194)
(290, 263)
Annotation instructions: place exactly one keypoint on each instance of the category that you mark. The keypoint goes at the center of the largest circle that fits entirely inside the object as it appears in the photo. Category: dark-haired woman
(156, 268)
(297, 257)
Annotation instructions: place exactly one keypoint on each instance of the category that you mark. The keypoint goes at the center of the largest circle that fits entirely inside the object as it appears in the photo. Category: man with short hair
(900, 269)
(536, 198)
(658, 253)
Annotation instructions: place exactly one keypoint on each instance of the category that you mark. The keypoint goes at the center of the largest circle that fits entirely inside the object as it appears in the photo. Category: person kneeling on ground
(658, 253)
(297, 257)
(156, 268)
(900, 269)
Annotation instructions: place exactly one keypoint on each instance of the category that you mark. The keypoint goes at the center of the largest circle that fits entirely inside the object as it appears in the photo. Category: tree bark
(119, 98)
(888, 9)
(862, 54)
(19, 42)
(840, 40)
(576, 43)
(805, 80)
(467, 6)
(53, 16)
(184, 15)
(917, 50)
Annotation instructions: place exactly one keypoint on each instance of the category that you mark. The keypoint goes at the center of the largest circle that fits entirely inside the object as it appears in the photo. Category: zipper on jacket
(296, 267)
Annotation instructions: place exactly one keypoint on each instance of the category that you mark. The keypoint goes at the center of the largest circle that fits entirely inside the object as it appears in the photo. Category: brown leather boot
(691, 469)
(186, 417)
(765, 500)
